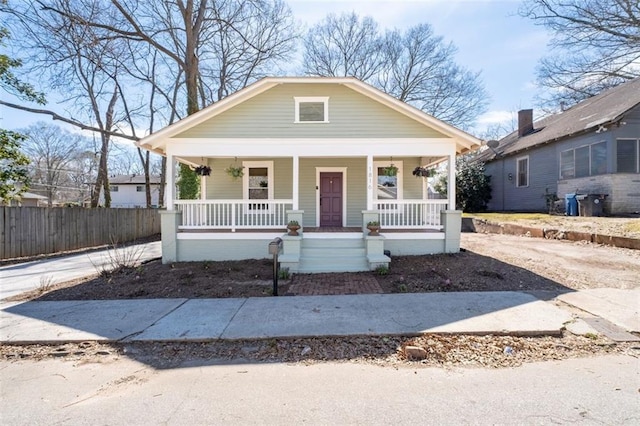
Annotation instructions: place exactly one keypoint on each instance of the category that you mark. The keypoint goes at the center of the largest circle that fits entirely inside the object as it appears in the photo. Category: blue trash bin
(571, 204)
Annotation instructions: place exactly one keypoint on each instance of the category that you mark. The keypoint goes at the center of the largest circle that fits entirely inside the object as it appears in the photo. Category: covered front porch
(331, 198)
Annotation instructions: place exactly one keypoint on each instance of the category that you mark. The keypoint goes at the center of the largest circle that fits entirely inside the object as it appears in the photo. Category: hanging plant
(423, 172)
(235, 171)
(390, 170)
(203, 170)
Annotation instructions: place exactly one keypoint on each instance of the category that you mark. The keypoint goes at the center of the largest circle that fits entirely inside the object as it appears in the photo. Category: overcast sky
(489, 35)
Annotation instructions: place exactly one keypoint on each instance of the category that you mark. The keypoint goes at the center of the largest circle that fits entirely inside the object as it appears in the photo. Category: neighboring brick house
(591, 148)
(128, 191)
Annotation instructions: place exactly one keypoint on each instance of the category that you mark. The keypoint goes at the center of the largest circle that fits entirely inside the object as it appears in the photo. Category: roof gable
(410, 116)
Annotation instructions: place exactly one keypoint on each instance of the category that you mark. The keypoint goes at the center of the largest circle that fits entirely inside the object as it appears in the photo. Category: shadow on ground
(464, 271)
(179, 310)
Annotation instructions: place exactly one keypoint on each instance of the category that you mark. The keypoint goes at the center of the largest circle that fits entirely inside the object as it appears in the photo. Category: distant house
(329, 155)
(591, 148)
(28, 199)
(128, 191)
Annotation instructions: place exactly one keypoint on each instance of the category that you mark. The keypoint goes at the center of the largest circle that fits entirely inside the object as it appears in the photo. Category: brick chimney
(525, 122)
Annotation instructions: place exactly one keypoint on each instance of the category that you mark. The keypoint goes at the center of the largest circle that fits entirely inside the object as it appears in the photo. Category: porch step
(333, 255)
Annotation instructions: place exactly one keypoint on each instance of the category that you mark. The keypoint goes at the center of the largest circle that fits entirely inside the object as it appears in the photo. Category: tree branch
(71, 121)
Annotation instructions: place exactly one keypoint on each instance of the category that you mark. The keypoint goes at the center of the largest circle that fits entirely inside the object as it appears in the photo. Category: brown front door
(331, 199)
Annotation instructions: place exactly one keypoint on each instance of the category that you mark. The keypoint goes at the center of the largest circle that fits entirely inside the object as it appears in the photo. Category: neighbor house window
(113, 188)
(628, 156)
(258, 183)
(139, 188)
(522, 172)
(311, 109)
(588, 160)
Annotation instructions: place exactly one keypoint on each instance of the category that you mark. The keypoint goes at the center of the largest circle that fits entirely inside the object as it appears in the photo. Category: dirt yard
(489, 262)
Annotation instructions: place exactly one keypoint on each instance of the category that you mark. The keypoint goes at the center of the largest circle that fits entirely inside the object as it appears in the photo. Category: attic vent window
(311, 109)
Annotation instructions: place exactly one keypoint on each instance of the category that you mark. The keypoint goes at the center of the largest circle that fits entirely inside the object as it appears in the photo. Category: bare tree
(414, 66)
(179, 55)
(595, 45)
(344, 45)
(420, 69)
(55, 154)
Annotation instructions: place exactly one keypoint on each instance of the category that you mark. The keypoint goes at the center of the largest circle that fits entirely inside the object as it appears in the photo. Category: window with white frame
(522, 172)
(113, 188)
(257, 183)
(388, 184)
(311, 109)
(628, 156)
(587, 160)
(139, 188)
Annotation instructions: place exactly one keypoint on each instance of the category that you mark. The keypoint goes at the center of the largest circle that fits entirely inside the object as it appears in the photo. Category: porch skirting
(216, 246)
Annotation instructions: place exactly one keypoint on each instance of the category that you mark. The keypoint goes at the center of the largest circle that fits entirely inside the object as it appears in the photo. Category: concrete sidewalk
(22, 277)
(274, 317)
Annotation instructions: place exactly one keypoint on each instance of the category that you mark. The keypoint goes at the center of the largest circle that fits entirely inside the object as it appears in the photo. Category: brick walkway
(333, 284)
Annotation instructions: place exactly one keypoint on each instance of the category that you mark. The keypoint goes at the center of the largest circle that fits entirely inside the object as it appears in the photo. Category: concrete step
(332, 243)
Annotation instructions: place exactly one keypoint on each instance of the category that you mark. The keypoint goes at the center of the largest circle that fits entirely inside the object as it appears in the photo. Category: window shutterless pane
(387, 186)
(523, 178)
(312, 111)
(599, 158)
(582, 161)
(627, 156)
(567, 170)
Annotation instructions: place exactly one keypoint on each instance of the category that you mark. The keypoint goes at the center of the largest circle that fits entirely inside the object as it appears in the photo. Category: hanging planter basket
(423, 172)
(203, 170)
(235, 172)
(390, 170)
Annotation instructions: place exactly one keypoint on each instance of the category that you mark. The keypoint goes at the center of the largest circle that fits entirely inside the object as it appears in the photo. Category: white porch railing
(233, 214)
(410, 214)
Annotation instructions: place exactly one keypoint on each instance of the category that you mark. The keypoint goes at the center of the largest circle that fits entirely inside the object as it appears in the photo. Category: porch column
(370, 186)
(170, 189)
(203, 187)
(451, 187)
(296, 182)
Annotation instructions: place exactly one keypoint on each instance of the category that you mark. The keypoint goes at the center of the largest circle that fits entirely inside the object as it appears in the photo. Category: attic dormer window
(311, 109)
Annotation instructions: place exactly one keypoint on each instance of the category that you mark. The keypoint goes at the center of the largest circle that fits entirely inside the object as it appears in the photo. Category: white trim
(304, 99)
(245, 178)
(311, 147)
(400, 180)
(412, 235)
(343, 170)
(228, 236)
(518, 159)
(296, 182)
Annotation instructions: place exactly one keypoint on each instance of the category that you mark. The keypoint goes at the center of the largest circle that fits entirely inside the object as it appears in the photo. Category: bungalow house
(128, 191)
(591, 148)
(332, 154)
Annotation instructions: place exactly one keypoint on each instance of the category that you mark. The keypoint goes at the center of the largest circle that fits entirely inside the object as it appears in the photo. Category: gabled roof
(157, 141)
(133, 180)
(597, 112)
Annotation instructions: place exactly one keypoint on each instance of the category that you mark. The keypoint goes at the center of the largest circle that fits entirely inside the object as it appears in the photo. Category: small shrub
(402, 288)
(284, 274)
(382, 270)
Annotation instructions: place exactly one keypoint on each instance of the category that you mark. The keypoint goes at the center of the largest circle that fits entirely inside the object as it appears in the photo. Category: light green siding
(271, 115)
(356, 187)
(221, 186)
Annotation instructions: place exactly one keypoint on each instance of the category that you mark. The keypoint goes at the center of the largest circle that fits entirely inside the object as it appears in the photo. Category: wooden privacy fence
(29, 231)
